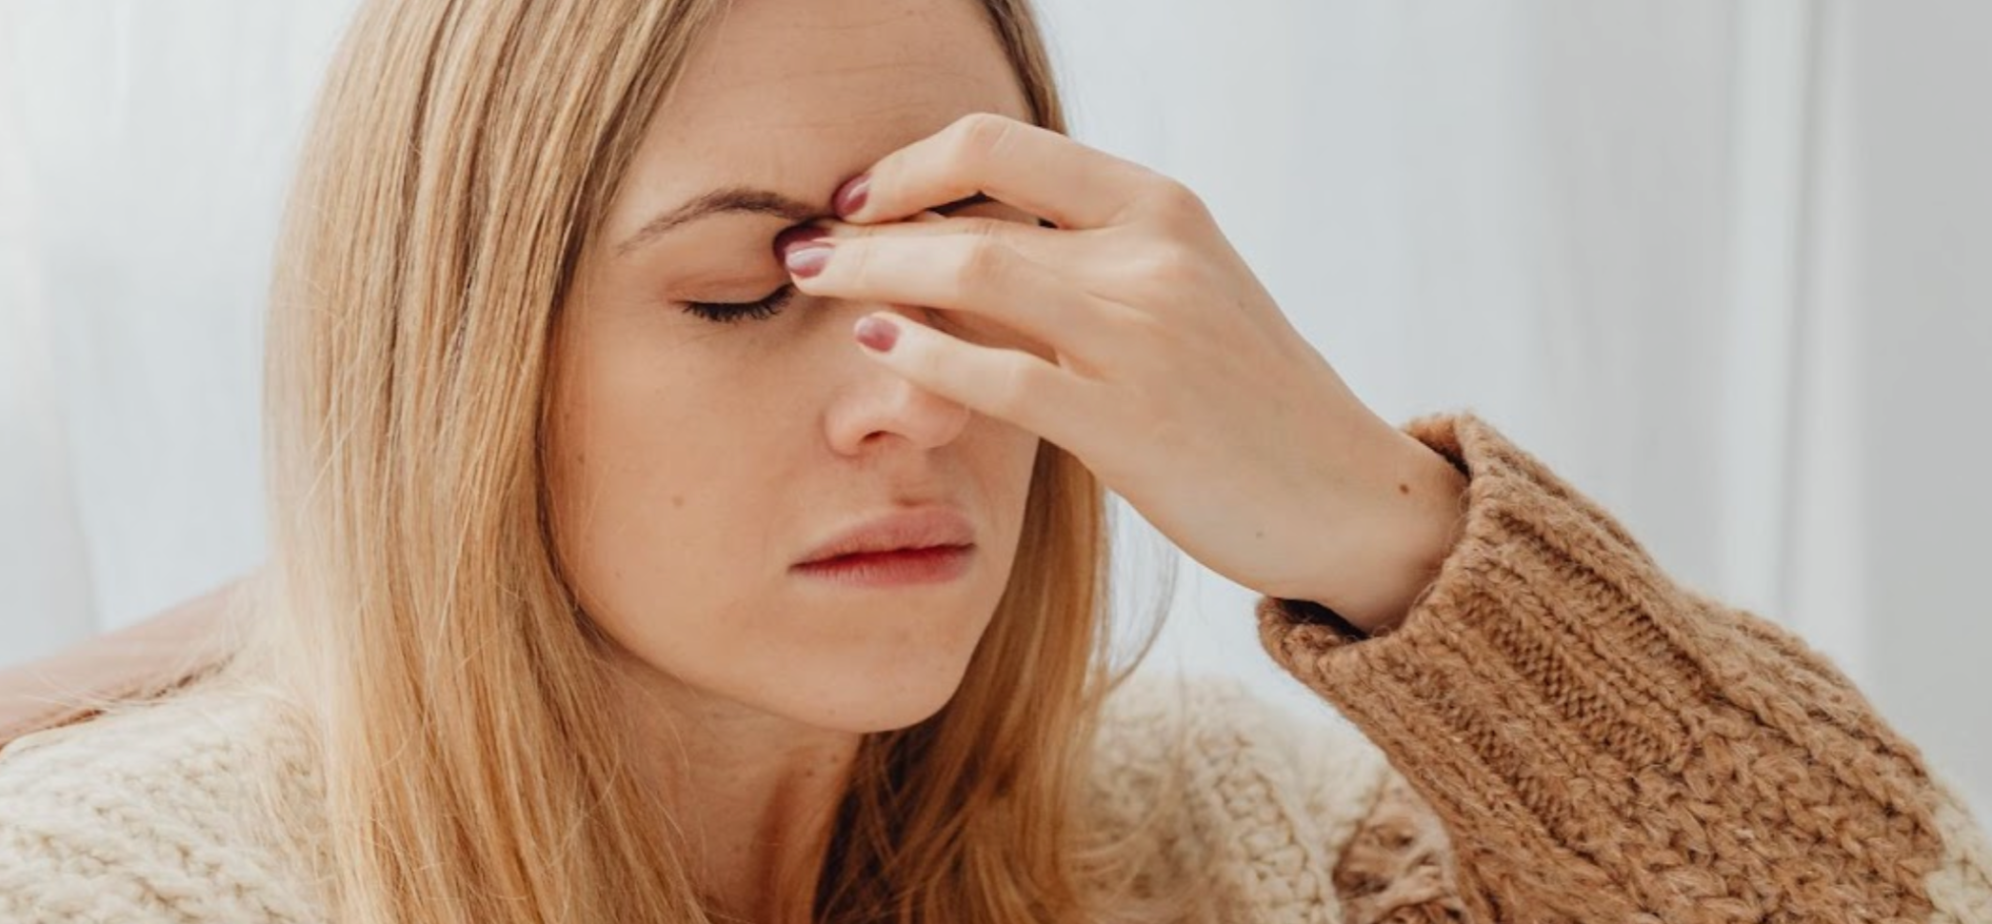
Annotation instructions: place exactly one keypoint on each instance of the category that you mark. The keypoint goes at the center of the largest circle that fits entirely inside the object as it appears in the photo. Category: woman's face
(693, 463)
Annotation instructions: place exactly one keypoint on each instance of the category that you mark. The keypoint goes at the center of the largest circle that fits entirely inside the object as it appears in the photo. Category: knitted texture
(152, 815)
(148, 815)
(1556, 732)
(1602, 744)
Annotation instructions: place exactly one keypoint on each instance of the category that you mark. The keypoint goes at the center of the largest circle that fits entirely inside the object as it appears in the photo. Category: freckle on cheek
(677, 500)
(1403, 489)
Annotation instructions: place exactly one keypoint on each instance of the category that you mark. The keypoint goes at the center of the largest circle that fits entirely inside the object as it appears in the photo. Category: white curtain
(1727, 267)
(144, 149)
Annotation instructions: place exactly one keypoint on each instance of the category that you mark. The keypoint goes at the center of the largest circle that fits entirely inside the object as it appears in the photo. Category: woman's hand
(1146, 348)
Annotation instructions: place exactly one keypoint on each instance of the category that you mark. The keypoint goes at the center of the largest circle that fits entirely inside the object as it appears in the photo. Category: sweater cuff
(1440, 434)
(1545, 615)
(1514, 505)
(1576, 717)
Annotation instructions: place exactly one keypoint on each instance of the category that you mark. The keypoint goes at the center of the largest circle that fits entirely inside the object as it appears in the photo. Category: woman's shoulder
(1258, 796)
(1217, 723)
(200, 745)
(156, 812)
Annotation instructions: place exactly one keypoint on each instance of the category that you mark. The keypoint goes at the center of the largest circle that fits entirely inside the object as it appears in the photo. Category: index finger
(1035, 169)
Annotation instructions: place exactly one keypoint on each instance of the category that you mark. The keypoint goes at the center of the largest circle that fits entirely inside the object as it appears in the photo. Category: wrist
(1401, 526)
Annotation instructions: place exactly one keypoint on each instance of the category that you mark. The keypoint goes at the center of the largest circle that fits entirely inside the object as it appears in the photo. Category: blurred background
(1727, 267)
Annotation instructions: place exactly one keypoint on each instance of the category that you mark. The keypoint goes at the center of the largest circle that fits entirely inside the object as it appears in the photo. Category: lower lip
(894, 569)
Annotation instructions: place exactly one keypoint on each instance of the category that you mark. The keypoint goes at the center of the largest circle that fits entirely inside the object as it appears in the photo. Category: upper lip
(918, 528)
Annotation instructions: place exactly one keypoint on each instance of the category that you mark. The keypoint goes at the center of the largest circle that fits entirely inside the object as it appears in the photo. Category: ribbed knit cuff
(1590, 731)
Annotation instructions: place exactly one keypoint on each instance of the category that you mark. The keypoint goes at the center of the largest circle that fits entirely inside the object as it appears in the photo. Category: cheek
(1013, 456)
(656, 482)
(676, 475)
(1002, 458)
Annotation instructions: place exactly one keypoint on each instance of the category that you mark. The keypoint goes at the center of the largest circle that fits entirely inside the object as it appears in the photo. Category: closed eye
(772, 304)
(735, 312)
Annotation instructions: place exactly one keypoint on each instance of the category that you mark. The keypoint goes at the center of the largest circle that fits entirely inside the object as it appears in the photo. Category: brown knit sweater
(1580, 738)
(1557, 732)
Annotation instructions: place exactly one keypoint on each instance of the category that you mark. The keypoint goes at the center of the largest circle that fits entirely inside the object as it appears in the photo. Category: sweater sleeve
(1597, 742)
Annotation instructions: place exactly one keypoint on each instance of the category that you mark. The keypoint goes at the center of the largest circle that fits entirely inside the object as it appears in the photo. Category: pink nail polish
(797, 236)
(807, 260)
(851, 196)
(877, 333)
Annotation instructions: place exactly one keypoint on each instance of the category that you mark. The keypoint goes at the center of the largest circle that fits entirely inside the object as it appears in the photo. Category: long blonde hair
(459, 156)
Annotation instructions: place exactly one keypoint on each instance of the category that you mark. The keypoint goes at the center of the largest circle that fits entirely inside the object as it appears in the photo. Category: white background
(1727, 267)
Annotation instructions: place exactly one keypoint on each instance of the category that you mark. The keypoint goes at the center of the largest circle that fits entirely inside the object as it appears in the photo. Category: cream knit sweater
(1557, 732)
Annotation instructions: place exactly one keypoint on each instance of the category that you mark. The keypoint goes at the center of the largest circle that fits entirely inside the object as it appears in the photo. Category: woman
(689, 428)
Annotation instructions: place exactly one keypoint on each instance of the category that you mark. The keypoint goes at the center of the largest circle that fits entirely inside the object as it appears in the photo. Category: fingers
(975, 273)
(1035, 169)
(1063, 252)
(1010, 385)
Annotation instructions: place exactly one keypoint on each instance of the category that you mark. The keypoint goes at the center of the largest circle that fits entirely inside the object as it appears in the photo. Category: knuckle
(980, 260)
(978, 136)
(854, 259)
(1017, 387)
(1176, 203)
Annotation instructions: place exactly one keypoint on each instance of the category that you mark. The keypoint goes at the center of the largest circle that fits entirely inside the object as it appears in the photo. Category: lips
(917, 528)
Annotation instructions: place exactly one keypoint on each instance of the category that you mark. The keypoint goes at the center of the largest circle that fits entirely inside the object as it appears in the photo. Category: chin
(889, 667)
(866, 700)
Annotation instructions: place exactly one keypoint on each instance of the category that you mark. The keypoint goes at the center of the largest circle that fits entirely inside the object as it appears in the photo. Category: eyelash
(735, 312)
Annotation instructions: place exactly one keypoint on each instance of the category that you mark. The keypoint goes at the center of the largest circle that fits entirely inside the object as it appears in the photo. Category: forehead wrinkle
(900, 124)
(783, 104)
(753, 47)
(863, 91)
(726, 49)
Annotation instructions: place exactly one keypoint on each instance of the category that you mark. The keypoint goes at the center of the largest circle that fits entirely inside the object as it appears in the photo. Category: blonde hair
(459, 157)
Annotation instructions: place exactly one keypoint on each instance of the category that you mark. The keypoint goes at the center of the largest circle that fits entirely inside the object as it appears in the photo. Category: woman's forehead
(797, 96)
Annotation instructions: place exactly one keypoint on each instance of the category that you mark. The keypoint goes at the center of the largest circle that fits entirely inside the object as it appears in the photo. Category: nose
(876, 404)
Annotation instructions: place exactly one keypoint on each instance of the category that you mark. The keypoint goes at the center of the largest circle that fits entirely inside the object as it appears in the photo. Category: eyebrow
(720, 201)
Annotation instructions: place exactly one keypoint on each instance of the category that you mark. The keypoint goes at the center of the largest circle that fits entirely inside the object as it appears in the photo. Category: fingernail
(877, 333)
(851, 196)
(797, 236)
(807, 261)
(803, 250)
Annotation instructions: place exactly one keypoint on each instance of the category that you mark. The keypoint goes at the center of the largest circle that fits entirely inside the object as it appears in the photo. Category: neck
(753, 795)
